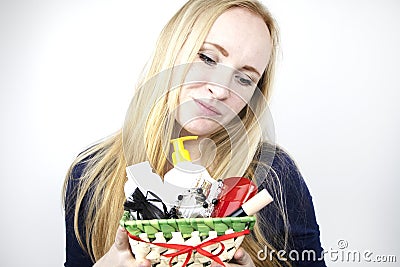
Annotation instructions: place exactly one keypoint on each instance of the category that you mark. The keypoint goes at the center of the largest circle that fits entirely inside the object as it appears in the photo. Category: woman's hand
(241, 258)
(120, 253)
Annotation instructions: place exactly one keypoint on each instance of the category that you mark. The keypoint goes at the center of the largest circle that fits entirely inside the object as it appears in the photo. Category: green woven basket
(186, 226)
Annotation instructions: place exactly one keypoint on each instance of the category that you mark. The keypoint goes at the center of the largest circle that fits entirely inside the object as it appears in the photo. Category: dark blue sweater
(303, 238)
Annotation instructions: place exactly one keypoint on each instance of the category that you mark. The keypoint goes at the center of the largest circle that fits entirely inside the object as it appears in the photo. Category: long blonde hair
(147, 129)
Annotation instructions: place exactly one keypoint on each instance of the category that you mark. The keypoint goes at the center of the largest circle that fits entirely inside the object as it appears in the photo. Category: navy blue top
(303, 229)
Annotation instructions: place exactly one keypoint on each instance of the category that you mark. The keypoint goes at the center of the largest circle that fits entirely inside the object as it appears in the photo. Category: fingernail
(143, 264)
(239, 254)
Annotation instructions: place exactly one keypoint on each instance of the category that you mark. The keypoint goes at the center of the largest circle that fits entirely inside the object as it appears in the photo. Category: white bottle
(185, 173)
(188, 175)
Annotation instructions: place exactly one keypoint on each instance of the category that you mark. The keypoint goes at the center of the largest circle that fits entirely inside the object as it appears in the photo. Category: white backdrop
(67, 73)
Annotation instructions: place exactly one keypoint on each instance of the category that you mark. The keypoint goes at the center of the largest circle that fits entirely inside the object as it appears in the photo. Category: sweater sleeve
(75, 254)
(288, 188)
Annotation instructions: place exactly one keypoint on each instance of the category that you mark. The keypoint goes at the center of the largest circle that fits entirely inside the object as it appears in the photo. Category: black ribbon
(145, 210)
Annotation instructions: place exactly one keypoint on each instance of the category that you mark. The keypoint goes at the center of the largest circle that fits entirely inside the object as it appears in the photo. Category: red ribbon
(186, 249)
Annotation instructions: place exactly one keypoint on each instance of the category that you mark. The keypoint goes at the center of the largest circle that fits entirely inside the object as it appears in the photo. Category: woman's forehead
(244, 35)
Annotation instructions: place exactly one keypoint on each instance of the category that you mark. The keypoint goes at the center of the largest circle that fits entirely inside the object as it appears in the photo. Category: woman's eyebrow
(220, 48)
(226, 54)
(252, 69)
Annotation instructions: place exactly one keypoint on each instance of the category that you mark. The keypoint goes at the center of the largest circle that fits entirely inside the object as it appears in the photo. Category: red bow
(186, 249)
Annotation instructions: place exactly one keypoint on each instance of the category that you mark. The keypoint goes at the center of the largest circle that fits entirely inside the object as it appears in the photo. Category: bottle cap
(180, 154)
(256, 203)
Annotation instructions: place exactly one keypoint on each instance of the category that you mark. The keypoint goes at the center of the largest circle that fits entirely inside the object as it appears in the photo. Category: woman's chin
(201, 127)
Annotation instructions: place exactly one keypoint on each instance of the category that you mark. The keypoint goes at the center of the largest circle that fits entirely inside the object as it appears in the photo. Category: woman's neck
(193, 146)
(202, 150)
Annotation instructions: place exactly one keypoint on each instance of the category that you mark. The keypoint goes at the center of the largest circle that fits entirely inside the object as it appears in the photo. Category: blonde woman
(210, 76)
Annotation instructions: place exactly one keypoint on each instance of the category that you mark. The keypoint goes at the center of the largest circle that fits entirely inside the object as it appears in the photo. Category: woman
(209, 76)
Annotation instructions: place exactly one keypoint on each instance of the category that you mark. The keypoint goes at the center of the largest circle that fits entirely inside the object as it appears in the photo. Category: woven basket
(226, 236)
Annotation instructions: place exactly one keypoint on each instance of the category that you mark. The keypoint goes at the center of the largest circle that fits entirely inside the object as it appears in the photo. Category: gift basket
(187, 219)
(180, 242)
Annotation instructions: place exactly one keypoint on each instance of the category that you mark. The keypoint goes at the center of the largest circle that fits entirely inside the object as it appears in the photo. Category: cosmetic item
(194, 203)
(253, 205)
(142, 176)
(142, 208)
(235, 191)
(185, 173)
(192, 176)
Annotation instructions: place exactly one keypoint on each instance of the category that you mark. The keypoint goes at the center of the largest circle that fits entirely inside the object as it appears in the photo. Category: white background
(67, 73)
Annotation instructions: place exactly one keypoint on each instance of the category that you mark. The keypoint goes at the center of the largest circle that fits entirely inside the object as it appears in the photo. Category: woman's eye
(206, 59)
(244, 81)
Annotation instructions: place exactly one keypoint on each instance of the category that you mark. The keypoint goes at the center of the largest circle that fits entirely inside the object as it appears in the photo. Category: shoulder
(283, 161)
(76, 254)
(284, 181)
(75, 176)
(292, 210)
(82, 161)
(287, 171)
(84, 174)
(275, 167)
(295, 192)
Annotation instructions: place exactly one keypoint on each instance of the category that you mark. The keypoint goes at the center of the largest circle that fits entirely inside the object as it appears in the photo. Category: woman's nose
(220, 82)
(218, 92)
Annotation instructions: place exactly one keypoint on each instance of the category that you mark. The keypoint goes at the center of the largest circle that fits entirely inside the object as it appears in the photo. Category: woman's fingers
(121, 239)
(241, 257)
(122, 245)
(120, 254)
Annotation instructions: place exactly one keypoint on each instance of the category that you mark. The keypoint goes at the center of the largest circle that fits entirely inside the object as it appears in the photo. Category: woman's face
(225, 73)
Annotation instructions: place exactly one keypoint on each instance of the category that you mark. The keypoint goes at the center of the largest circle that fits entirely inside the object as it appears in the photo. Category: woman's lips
(207, 109)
